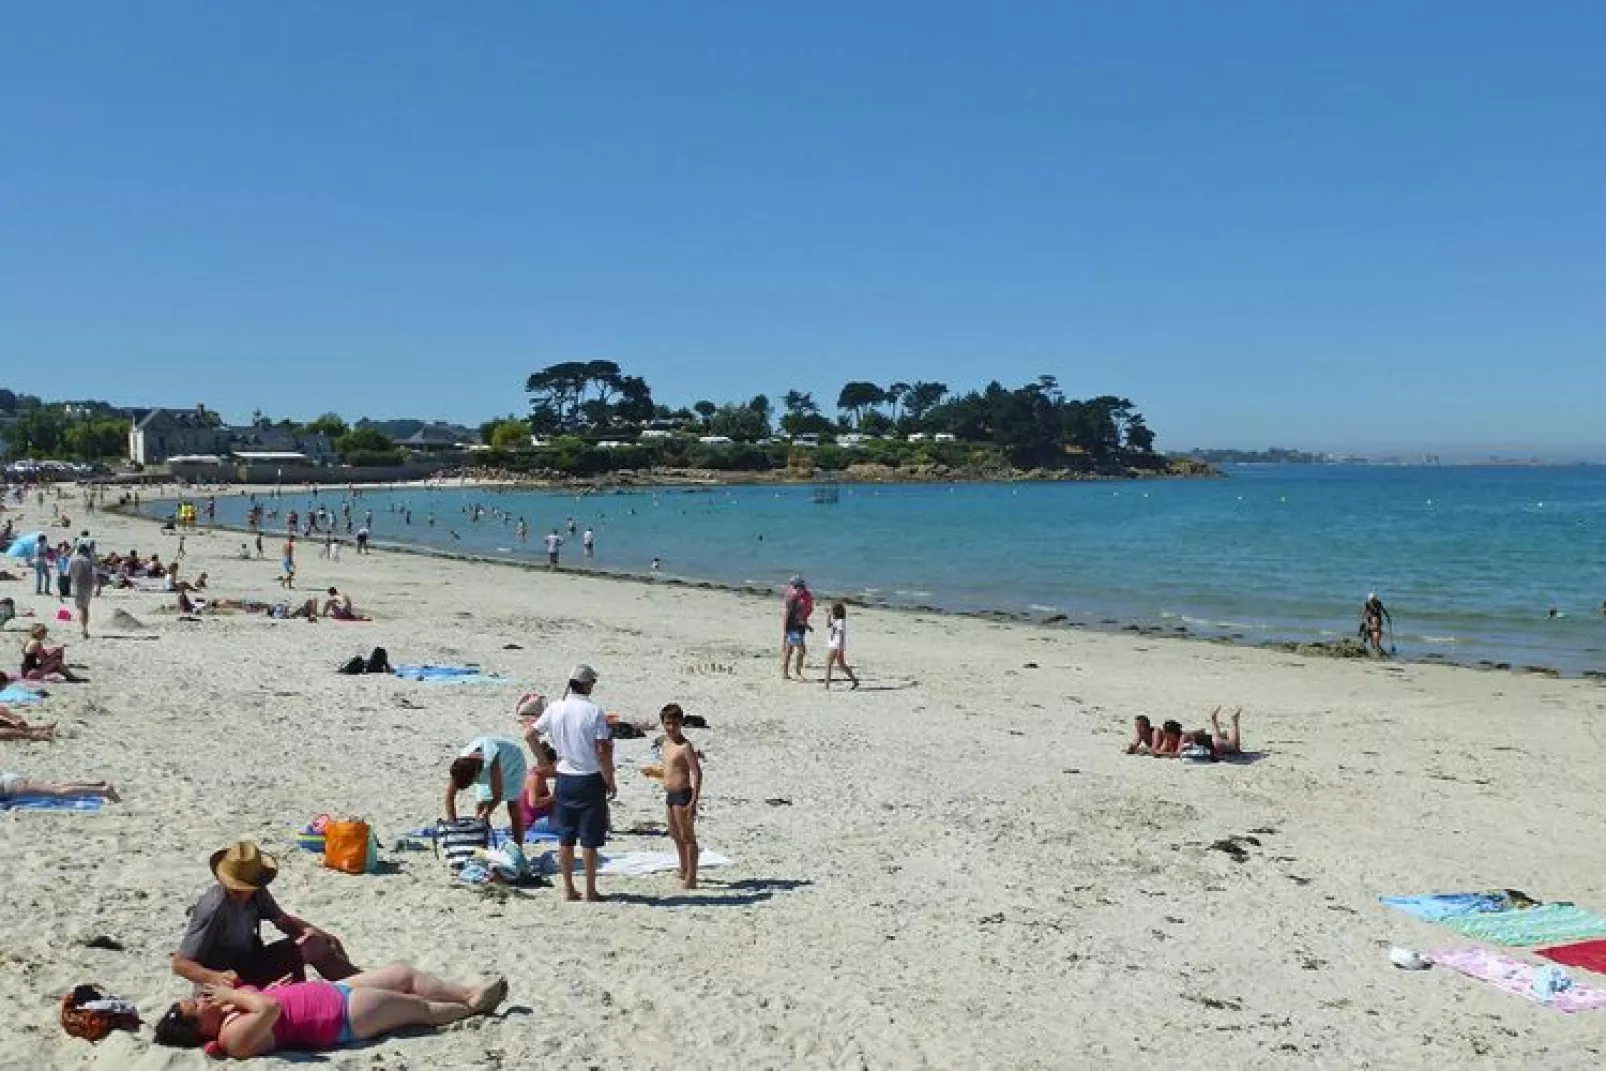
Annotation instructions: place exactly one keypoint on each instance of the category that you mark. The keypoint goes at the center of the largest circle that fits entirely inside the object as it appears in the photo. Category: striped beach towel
(1547, 924)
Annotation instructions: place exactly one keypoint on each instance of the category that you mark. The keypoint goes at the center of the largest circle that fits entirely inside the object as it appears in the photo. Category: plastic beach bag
(347, 846)
(90, 1014)
(460, 839)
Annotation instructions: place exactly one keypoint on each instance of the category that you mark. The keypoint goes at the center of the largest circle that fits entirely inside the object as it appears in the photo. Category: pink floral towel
(1515, 976)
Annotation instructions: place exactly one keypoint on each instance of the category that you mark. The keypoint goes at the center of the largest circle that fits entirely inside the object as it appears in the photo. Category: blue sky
(1363, 225)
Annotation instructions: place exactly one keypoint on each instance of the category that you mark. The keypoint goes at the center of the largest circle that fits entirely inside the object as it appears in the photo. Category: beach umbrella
(22, 546)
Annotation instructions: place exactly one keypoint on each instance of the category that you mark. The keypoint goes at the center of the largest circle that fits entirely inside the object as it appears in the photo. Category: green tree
(509, 435)
(741, 422)
(367, 446)
(857, 396)
(330, 424)
(921, 398)
(705, 409)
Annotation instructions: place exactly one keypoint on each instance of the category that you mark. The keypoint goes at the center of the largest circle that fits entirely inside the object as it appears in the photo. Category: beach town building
(157, 436)
(431, 439)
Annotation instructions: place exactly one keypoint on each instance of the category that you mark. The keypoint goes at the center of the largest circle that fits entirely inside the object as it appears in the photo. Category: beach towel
(447, 675)
(1515, 977)
(51, 803)
(1542, 925)
(13, 696)
(1437, 907)
(499, 837)
(1590, 955)
(636, 864)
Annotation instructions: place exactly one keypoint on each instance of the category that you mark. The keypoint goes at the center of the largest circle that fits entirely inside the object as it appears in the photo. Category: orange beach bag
(345, 845)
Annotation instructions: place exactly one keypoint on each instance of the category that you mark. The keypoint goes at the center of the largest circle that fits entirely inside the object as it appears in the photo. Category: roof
(195, 459)
(430, 436)
(270, 455)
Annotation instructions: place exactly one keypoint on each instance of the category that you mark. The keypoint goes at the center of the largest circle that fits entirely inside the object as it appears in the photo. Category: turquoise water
(1468, 560)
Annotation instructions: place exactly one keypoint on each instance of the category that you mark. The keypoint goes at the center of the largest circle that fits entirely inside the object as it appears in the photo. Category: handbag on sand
(346, 846)
(90, 1014)
(458, 840)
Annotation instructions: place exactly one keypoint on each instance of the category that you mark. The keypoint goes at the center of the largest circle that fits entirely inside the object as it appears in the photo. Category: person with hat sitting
(222, 945)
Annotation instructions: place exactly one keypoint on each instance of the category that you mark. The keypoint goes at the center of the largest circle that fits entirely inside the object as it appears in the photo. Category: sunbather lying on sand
(1204, 744)
(1142, 736)
(14, 726)
(318, 1016)
(13, 784)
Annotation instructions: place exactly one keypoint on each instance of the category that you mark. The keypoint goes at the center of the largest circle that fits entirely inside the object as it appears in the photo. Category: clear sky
(1361, 225)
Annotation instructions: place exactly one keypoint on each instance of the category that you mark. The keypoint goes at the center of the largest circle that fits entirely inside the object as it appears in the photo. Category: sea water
(1468, 560)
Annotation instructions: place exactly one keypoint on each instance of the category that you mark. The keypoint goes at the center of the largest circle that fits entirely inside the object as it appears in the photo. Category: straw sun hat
(243, 867)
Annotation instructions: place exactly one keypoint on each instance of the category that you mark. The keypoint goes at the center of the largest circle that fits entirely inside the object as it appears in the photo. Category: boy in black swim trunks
(683, 790)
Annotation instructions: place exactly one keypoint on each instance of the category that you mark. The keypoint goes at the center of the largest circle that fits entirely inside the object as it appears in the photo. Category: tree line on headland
(589, 416)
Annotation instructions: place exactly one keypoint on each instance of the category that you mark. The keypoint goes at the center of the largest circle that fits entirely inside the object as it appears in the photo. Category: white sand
(969, 873)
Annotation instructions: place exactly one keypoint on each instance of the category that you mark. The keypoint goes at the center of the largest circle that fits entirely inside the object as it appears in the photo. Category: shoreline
(1341, 650)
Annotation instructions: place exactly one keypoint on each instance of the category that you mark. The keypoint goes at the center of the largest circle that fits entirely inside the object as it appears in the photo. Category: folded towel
(51, 803)
(14, 696)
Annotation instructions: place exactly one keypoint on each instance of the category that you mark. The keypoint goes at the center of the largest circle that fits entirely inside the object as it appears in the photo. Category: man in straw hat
(222, 945)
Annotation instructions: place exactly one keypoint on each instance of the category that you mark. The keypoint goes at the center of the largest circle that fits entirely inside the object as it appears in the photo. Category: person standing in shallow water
(1373, 614)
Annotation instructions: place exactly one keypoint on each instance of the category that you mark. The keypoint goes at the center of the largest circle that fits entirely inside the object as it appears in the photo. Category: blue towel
(51, 803)
(540, 831)
(1440, 906)
(12, 696)
(446, 675)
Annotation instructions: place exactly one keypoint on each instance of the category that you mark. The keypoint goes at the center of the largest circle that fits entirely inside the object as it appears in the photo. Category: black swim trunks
(678, 797)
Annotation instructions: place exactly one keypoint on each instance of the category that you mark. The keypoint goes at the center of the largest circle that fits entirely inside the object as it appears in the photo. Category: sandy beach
(954, 866)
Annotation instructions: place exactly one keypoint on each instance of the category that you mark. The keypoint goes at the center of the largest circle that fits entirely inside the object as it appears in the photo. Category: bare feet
(595, 897)
(855, 685)
(570, 895)
(486, 999)
(692, 884)
(111, 793)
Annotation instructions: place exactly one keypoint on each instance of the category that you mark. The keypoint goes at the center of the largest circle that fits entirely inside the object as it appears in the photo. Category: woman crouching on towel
(317, 1016)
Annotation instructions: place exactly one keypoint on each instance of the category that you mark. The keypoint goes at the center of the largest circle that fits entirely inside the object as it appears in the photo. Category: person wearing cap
(578, 730)
(795, 611)
(222, 945)
(494, 767)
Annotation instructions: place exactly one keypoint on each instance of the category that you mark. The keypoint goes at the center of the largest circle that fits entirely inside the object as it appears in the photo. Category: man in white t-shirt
(578, 731)
(553, 542)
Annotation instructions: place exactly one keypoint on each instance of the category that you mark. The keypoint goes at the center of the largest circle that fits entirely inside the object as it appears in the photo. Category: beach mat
(447, 675)
(51, 803)
(1515, 977)
(1590, 955)
(539, 831)
(1546, 924)
(1436, 907)
(636, 864)
(13, 696)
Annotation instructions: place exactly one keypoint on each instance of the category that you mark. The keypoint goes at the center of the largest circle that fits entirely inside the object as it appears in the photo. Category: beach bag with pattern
(90, 1014)
(346, 845)
(460, 839)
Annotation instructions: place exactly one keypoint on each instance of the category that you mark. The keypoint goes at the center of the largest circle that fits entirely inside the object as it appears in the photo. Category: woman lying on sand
(317, 1016)
(42, 663)
(14, 726)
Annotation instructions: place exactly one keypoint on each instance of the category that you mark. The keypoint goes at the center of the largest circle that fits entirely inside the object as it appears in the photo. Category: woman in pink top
(321, 1015)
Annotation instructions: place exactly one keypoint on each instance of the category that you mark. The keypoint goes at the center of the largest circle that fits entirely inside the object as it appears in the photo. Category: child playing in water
(683, 790)
(836, 648)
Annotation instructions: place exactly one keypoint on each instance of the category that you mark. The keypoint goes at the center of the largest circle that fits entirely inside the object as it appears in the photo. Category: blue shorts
(794, 637)
(580, 810)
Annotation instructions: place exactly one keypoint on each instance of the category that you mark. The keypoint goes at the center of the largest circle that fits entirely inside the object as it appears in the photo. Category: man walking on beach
(553, 542)
(81, 574)
(795, 611)
(578, 730)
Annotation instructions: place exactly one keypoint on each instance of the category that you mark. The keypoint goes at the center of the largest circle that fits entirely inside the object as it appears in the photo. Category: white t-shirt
(574, 724)
(839, 634)
(553, 542)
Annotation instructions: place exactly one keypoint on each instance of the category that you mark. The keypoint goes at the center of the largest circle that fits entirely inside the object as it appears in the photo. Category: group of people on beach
(797, 606)
(574, 779)
(1171, 741)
